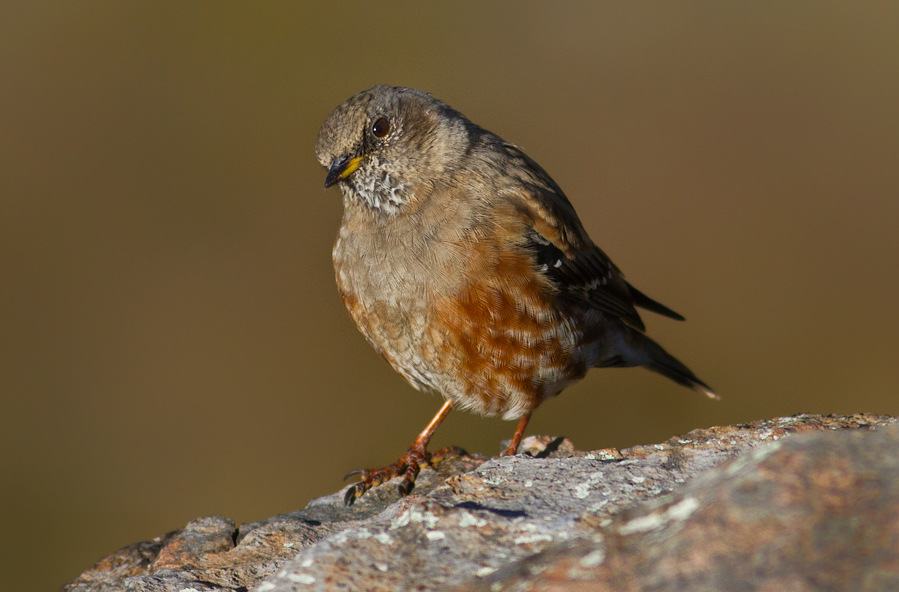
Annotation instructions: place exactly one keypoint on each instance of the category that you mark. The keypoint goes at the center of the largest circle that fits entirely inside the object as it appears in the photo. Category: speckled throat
(376, 186)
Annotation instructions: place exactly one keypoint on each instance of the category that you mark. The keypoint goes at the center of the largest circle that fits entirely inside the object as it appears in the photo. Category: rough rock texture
(750, 510)
(818, 512)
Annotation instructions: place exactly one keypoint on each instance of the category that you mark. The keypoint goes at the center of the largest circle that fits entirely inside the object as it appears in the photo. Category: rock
(736, 507)
(816, 512)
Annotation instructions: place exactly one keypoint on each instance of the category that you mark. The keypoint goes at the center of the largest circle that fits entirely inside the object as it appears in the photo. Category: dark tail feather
(644, 301)
(668, 366)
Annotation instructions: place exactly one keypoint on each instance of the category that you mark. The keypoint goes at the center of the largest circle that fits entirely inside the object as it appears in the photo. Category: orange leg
(519, 433)
(408, 465)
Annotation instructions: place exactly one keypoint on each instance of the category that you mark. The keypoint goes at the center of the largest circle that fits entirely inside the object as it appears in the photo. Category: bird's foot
(408, 466)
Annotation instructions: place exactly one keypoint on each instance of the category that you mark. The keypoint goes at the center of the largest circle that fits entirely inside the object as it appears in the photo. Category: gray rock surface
(817, 512)
(737, 507)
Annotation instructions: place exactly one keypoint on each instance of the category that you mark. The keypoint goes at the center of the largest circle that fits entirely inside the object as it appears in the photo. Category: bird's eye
(381, 127)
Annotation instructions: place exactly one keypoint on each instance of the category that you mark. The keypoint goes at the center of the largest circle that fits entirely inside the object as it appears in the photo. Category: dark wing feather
(564, 252)
(644, 301)
(587, 278)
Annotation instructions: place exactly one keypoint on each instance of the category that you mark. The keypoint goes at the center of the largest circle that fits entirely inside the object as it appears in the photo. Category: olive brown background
(171, 341)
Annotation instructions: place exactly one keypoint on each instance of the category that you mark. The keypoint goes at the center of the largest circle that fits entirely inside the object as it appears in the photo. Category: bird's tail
(649, 354)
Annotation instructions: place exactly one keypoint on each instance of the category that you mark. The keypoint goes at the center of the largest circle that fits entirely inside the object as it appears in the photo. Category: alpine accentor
(466, 267)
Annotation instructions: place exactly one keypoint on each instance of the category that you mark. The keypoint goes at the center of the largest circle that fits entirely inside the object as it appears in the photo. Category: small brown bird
(467, 268)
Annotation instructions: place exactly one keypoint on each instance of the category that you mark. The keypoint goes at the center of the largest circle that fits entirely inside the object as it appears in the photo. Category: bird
(466, 267)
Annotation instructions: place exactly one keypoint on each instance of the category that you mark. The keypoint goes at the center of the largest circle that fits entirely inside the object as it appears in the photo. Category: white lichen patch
(527, 539)
(643, 524)
(484, 571)
(426, 518)
(435, 535)
(493, 481)
(301, 578)
(381, 566)
(470, 519)
(383, 538)
(592, 559)
(307, 562)
(582, 490)
(678, 512)
(683, 509)
(401, 520)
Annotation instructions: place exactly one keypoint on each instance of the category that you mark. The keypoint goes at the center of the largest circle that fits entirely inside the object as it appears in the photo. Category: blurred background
(172, 344)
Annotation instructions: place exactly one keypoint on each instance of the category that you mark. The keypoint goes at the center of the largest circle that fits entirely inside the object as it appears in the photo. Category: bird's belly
(490, 355)
(504, 351)
(391, 311)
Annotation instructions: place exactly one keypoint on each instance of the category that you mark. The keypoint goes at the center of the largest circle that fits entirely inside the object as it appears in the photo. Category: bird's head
(385, 144)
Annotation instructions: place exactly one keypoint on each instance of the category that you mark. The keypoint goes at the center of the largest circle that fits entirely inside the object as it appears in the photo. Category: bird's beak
(341, 168)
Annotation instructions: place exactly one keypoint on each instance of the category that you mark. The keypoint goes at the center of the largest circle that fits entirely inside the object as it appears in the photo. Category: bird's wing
(563, 250)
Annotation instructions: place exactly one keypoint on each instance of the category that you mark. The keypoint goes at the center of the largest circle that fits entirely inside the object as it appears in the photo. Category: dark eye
(381, 127)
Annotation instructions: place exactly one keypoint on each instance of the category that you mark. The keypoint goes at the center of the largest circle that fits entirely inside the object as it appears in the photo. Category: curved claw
(356, 490)
(355, 472)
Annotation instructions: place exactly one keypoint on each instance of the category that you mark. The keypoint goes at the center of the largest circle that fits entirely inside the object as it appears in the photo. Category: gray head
(382, 145)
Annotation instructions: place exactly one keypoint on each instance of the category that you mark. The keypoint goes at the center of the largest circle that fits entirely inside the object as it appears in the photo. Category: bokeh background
(171, 341)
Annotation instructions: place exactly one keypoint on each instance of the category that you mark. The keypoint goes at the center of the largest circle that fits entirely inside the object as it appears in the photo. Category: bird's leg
(519, 433)
(408, 465)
